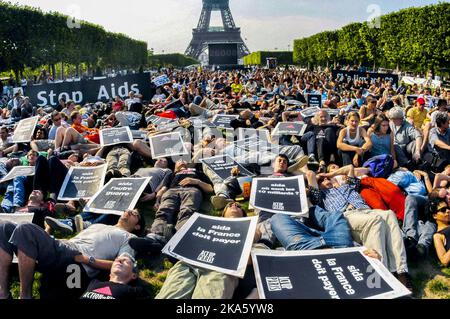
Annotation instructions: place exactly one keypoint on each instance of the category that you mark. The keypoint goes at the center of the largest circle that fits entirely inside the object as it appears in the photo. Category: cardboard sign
(117, 196)
(289, 128)
(221, 120)
(280, 195)
(167, 145)
(158, 120)
(323, 274)
(82, 182)
(23, 133)
(168, 126)
(161, 80)
(332, 112)
(245, 133)
(309, 112)
(114, 136)
(314, 100)
(223, 164)
(18, 171)
(215, 243)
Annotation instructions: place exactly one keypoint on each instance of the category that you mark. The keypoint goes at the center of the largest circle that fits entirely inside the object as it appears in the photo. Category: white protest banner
(214, 243)
(166, 145)
(323, 274)
(223, 164)
(289, 128)
(82, 182)
(117, 196)
(23, 133)
(114, 136)
(280, 195)
(17, 171)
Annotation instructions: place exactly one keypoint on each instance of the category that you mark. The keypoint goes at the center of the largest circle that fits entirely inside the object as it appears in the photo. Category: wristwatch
(91, 260)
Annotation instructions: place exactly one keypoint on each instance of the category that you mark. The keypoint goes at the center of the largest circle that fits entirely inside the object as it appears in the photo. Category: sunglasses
(443, 209)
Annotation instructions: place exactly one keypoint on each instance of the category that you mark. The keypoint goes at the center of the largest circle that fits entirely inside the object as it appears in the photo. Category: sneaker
(152, 244)
(405, 279)
(313, 164)
(219, 202)
(65, 226)
(299, 163)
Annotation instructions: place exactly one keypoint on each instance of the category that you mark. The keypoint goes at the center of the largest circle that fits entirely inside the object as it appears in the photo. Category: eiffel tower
(204, 34)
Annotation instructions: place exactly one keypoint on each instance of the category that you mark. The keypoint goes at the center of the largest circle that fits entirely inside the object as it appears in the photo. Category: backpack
(380, 166)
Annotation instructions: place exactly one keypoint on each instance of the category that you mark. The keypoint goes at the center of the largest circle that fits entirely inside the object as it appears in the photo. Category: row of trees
(416, 39)
(259, 58)
(31, 38)
(170, 60)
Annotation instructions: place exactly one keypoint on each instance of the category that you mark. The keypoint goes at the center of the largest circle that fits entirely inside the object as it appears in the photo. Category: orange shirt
(93, 134)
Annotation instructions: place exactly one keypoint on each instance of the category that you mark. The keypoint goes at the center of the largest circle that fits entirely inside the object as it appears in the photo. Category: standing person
(353, 142)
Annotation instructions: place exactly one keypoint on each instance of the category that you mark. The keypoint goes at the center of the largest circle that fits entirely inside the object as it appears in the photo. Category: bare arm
(344, 146)
(441, 177)
(442, 145)
(443, 255)
(368, 144)
(98, 264)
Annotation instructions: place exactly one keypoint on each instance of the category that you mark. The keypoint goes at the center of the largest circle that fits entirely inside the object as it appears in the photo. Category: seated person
(442, 237)
(440, 137)
(353, 142)
(407, 140)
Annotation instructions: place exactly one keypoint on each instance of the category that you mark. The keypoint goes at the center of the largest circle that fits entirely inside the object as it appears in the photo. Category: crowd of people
(376, 164)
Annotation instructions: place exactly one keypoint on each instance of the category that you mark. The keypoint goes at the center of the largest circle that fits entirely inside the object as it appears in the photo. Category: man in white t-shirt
(132, 99)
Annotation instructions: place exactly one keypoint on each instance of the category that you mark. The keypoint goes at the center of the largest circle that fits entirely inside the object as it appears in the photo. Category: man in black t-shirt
(178, 203)
(123, 273)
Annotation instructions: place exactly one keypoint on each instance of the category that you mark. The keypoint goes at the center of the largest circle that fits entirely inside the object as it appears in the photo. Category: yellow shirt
(417, 116)
(237, 88)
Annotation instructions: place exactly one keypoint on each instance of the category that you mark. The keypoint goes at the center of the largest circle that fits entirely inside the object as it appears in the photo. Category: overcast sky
(266, 24)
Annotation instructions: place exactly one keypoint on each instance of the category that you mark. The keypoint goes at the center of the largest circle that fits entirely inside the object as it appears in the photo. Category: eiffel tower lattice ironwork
(204, 34)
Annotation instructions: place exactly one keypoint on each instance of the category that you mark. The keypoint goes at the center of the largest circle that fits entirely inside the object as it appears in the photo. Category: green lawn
(430, 279)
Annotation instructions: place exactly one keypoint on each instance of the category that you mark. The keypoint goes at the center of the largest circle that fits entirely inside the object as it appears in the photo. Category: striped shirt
(339, 199)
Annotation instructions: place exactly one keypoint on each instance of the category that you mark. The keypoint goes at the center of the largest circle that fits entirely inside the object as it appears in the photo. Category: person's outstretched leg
(294, 235)
(26, 274)
(336, 230)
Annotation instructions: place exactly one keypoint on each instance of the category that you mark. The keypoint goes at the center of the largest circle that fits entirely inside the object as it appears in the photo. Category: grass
(430, 280)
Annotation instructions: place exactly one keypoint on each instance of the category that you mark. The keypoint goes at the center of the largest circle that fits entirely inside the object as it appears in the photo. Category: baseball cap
(421, 100)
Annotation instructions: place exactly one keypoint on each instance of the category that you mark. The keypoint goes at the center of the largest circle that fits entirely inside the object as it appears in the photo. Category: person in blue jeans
(418, 228)
(15, 195)
(321, 230)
